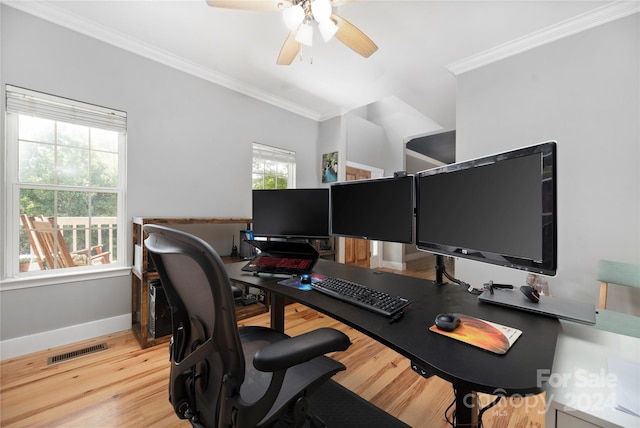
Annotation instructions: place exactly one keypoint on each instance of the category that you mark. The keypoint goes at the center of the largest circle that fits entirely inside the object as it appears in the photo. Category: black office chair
(223, 375)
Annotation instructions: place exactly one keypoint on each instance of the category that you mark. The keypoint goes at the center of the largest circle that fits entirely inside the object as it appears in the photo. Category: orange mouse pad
(487, 335)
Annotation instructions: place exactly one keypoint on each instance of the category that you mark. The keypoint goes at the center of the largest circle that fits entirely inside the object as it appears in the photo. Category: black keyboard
(360, 295)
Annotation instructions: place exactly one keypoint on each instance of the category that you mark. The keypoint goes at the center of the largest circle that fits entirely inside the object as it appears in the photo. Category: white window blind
(24, 101)
(273, 153)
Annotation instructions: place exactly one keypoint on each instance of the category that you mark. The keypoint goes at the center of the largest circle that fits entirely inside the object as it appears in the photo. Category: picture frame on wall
(330, 167)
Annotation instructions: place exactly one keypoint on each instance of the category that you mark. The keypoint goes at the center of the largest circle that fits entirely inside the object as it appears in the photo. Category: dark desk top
(464, 365)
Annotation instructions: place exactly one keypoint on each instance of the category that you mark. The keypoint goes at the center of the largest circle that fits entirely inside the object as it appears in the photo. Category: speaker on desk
(159, 311)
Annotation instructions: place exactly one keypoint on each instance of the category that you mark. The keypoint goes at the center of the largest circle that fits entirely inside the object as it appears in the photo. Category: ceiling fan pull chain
(301, 55)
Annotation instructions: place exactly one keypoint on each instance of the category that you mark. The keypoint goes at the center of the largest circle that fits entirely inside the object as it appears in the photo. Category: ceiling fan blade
(353, 37)
(289, 50)
(264, 5)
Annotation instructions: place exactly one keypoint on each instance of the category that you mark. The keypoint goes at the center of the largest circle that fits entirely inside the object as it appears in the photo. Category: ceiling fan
(298, 16)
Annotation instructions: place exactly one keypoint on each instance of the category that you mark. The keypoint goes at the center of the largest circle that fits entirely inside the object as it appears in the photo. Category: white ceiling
(421, 45)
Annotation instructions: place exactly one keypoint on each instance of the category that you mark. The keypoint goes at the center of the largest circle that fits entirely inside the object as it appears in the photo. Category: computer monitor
(499, 209)
(378, 209)
(291, 213)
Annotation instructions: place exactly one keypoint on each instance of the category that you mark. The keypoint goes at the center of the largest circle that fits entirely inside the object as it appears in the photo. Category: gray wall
(370, 144)
(366, 142)
(189, 149)
(582, 91)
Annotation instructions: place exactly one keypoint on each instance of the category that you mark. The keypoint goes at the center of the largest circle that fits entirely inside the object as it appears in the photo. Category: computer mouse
(531, 293)
(447, 322)
(305, 278)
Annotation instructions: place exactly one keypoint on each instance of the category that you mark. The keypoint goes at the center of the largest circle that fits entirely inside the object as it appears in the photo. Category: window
(65, 184)
(273, 168)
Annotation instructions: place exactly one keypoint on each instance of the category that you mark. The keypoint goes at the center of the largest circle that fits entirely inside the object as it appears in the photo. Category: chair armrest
(295, 350)
(100, 255)
(97, 249)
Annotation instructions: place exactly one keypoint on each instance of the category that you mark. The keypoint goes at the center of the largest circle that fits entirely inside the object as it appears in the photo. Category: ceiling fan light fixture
(328, 29)
(321, 10)
(298, 16)
(305, 34)
(293, 17)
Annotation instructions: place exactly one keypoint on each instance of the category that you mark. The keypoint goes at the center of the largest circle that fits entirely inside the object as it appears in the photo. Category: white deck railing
(81, 225)
(80, 233)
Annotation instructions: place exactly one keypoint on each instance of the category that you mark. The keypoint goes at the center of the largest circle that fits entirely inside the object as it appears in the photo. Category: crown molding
(46, 11)
(585, 21)
(73, 22)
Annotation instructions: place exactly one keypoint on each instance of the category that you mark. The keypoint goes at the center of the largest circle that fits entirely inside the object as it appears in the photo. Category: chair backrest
(206, 352)
(34, 240)
(47, 242)
(610, 272)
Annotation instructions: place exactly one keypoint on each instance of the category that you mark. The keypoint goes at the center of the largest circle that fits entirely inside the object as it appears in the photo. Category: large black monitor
(499, 209)
(378, 209)
(291, 213)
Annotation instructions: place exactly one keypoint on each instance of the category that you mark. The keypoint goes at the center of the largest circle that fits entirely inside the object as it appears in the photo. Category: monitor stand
(440, 270)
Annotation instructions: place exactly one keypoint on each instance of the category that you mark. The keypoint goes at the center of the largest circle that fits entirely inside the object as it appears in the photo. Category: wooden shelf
(192, 220)
(148, 341)
(144, 273)
(248, 311)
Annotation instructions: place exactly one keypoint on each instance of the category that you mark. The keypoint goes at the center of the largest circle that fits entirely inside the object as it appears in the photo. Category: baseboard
(18, 346)
(393, 265)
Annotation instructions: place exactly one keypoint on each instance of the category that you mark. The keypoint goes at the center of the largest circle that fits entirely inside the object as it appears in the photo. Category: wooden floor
(126, 386)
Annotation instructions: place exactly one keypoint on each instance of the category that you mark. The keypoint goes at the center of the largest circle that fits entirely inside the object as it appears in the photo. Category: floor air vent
(75, 354)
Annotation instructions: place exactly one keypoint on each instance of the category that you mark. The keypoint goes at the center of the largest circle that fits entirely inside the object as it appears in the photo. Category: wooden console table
(144, 273)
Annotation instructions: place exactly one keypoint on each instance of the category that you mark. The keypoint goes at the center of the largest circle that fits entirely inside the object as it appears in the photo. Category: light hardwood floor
(127, 386)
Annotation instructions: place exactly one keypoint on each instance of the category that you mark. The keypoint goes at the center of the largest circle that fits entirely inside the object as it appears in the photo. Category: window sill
(62, 278)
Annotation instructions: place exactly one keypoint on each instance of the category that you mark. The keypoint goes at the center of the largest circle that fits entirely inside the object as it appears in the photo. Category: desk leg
(277, 312)
(466, 408)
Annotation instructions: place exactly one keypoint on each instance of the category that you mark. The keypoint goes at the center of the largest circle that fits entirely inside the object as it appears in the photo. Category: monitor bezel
(321, 191)
(410, 212)
(548, 265)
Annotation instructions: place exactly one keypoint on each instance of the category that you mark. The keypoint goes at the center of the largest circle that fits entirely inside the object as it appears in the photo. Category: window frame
(10, 276)
(276, 154)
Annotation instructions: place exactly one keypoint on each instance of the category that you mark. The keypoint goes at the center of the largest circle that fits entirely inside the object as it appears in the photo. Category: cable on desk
(459, 282)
